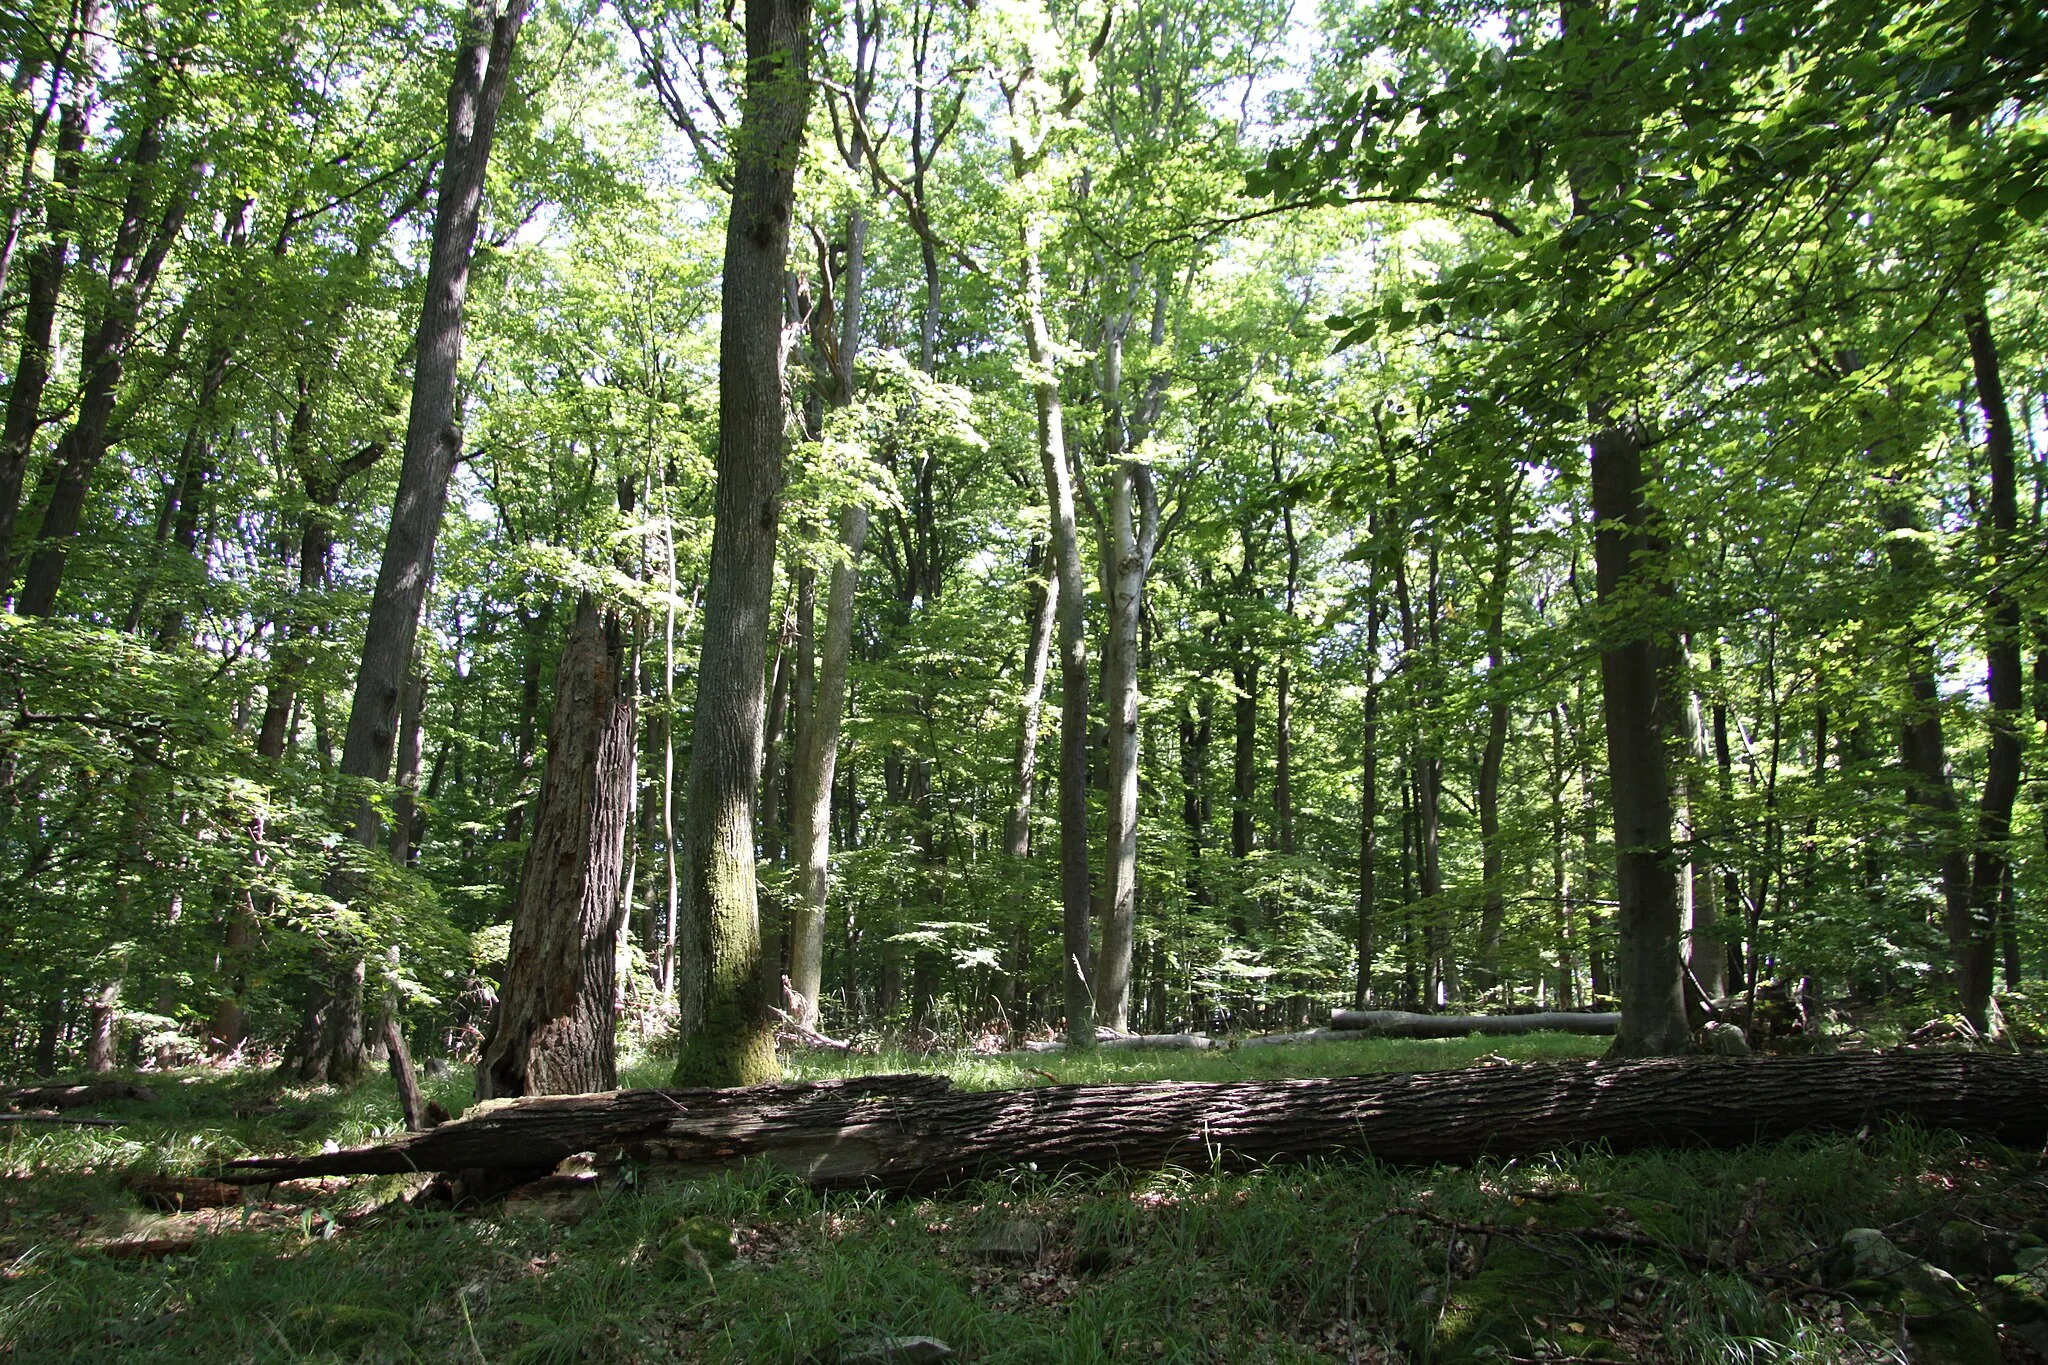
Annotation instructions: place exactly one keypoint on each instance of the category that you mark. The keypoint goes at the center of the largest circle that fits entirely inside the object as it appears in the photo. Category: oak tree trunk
(727, 1033)
(551, 1030)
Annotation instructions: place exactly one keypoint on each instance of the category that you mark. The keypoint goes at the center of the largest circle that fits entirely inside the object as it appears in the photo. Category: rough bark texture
(910, 1133)
(727, 1032)
(551, 1030)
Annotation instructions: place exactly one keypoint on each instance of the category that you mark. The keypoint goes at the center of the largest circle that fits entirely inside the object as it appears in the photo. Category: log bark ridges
(912, 1133)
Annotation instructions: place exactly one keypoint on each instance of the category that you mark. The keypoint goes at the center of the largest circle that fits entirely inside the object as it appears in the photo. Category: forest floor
(1658, 1256)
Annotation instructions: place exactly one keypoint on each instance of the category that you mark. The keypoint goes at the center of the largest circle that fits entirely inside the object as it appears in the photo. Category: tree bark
(1402, 1024)
(1972, 938)
(1635, 690)
(433, 437)
(728, 1036)
(551, 1030)
(1493, 905)
(1134, 536)
(45, 278)
(817, 762)
(1075, 896)
(817, 749)
(912, 1133)
(137, 257)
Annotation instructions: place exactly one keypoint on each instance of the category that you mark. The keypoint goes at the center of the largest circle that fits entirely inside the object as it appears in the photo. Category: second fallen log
(910, 1133)
(1403, 1024)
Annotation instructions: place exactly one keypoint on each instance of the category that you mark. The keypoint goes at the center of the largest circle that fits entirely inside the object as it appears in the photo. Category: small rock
(1723, 1039)
(891, 1351)
(1012, 1240)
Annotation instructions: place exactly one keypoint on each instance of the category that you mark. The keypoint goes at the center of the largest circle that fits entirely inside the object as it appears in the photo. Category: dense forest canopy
(958, 519)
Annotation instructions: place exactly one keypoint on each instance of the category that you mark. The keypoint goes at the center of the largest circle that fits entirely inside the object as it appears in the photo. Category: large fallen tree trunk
(913, 1132)
(1402, 1024)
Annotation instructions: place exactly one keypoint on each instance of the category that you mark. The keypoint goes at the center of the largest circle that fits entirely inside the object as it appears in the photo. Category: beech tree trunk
(551, 1030)
(727, 1033)
(817, 746)
(817, 763)
(912, 1133)
(1134, 536)
(1073, 646)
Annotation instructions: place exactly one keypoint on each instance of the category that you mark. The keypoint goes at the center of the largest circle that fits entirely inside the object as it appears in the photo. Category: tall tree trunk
(1134, 536)
(1635, 688)
(406, 816)
(1971, 939)
(46, 269)
(1706, 957)
(817, 750)
(433, 436)
(727, 1035)
(551, 1030)
(1493, 906)
(817, 762)
(433, 440)
(137, 258)
(1072, 604)
(1368, 792)
(1041, 606)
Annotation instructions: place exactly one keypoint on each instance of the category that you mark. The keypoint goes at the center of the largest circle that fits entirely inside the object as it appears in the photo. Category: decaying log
(61, 1118)
(1402, 1024)
(177, 1193)
(61, 1096)
(910, 1133)
(1189, 1042)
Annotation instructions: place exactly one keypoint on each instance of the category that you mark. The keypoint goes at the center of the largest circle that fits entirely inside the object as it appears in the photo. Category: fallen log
(1402, 1024)
(1188, 1042)
(58, 1095)
(61, 1118)
(910, 1133)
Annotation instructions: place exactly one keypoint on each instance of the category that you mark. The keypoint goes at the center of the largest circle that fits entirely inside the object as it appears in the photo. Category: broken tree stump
(1402, 1024)
(911, 1133)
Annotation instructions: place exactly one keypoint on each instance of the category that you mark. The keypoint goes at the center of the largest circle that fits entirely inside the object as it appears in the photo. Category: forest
(543, 539)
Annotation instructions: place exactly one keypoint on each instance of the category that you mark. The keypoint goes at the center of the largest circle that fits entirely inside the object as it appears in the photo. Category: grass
(1300, 1263)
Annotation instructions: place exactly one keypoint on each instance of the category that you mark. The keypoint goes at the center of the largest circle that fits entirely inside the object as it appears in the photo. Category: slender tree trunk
(406, 816)
(728, 1038)
(1041, 607)
(817, 760)
(551, 1031)
(46, 270)
(817, 750)
(1134, 533)
(1368, 795)
(137, 258)
(1706, 957)
(1493, 906)
(1072, 591)
(1972, 940)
